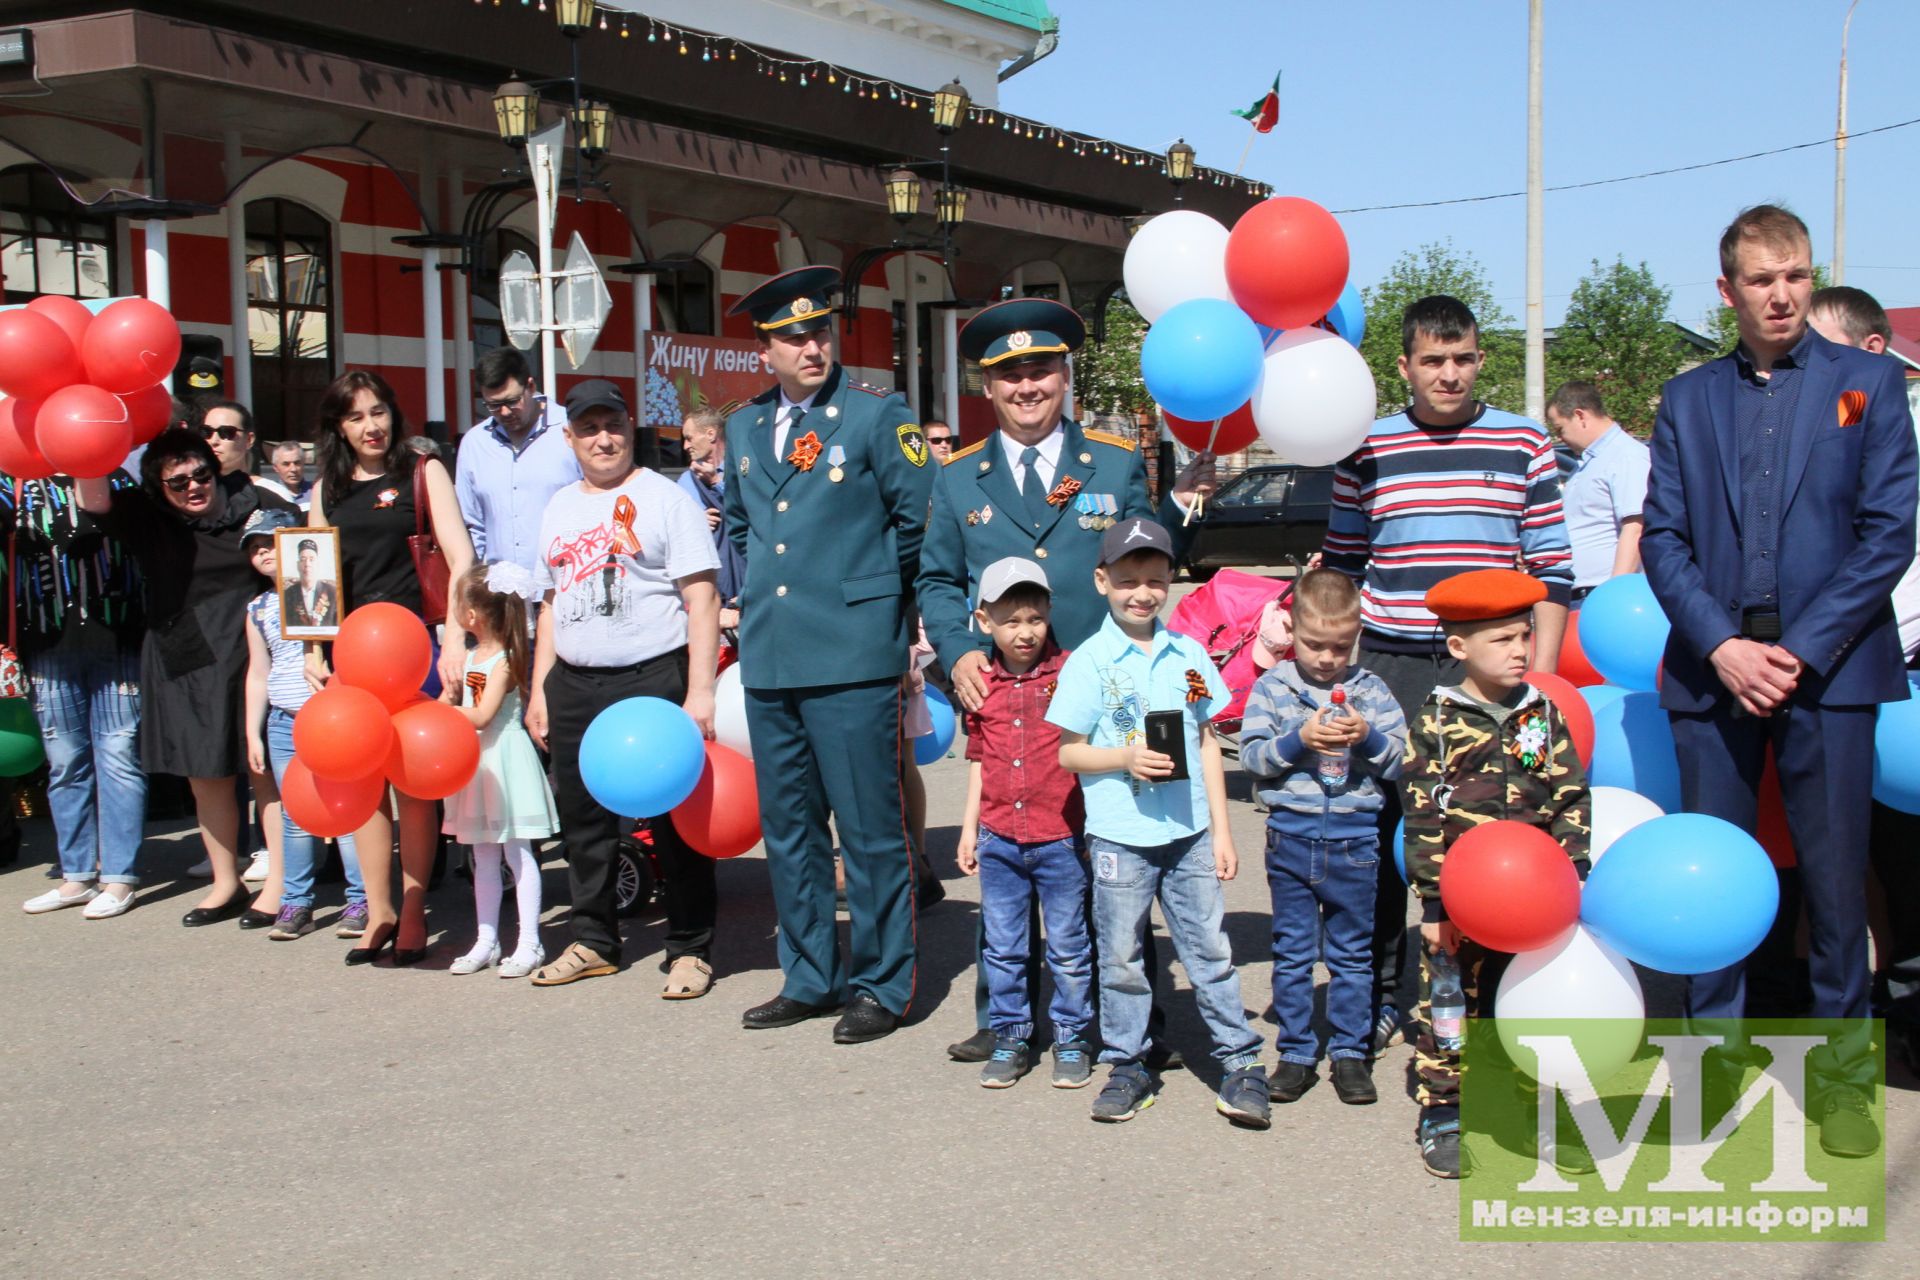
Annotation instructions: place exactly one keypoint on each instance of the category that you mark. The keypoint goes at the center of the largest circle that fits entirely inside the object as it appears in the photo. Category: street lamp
(951, 204)
(903, 195)
(592, 125)
(950, 106)
(516, 110)
(1179, 166)
(575, 16)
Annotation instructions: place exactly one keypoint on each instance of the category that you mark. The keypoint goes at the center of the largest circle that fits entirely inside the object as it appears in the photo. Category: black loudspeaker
(202, 370)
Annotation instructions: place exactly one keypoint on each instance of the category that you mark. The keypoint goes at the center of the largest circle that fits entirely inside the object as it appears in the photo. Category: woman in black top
(365, 490)
(183, 526)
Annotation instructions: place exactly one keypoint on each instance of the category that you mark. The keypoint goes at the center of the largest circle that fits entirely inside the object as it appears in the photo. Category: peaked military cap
(1020, 328)
(792, 302)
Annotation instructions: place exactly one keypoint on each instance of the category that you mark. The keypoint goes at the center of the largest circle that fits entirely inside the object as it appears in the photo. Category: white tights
(487, 893)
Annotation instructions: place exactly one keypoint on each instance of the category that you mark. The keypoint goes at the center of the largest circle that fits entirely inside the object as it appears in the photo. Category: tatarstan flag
(1265, 112)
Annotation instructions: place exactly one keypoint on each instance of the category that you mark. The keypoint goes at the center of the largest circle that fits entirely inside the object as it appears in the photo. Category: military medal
(1111, 505)
(973, 517)
(1084, 505)
(986, 514)
(744, 460)
(836, 456)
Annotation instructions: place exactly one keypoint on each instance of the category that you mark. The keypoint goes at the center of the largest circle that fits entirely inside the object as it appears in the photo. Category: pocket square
(1852, 408)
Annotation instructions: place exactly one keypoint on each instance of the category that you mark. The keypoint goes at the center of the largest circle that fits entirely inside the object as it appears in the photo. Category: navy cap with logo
(595, 393)
(266, 521)
(793, 302)
(1134, 535)
(1022, 328)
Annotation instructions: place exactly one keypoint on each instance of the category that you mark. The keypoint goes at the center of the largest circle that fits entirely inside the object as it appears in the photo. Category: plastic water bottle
(1332, 767)
(1446, 1002)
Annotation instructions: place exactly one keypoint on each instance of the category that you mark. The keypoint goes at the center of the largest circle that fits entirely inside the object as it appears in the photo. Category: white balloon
(1176, 258)
(1575, 977)
(1617, 811)
(730, 712)
(1314, 404)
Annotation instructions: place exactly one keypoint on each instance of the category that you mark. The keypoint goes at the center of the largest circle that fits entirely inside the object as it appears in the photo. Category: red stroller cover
(1224, 616)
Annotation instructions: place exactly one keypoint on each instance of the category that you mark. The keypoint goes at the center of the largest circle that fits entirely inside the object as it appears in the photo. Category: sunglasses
(937, 441)
(225, 433)
(202, 474)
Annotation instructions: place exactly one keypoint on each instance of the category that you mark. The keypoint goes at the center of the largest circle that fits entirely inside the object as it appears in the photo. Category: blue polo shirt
(1607, 488)
(504, 490)
(1106, 690)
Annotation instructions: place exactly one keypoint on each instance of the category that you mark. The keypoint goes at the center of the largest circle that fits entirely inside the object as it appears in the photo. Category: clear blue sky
(1388, 101)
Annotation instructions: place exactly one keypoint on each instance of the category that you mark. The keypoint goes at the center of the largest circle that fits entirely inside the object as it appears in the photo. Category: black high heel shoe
(382, 938)
(233, 906)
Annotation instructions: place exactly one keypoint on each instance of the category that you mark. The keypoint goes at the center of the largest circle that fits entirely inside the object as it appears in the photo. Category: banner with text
(688, 371)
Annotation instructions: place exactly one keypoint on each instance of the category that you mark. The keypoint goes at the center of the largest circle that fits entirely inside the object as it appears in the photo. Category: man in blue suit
(827, 503)
(1779, 516)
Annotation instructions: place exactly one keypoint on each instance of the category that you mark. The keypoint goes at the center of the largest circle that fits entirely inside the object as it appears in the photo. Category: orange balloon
(132, 343)
(148, 412)
(326, 808)
(722, 817)
(342, 733)
(435, 750)
(37, 357)
(1237, 431)
(384, 649)
(1509, 886)
(20, 454)
(83, 431)
(1572, 708)
(66, 312)
(1573, 662)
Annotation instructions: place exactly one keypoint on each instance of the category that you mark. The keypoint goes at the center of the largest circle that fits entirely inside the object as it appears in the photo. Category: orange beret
(1484, 594)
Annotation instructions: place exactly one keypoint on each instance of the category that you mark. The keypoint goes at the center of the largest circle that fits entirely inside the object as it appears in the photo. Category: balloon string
(1198, 507)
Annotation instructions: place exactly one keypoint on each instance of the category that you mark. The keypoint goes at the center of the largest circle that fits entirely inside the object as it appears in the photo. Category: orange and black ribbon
(805, 450)
(1196, 686)
(1852, 409)
(1063, 492)
(625, 541)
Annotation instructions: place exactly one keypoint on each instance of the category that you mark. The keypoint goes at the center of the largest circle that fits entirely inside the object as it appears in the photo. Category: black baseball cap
(1137, 534)
(595, 393)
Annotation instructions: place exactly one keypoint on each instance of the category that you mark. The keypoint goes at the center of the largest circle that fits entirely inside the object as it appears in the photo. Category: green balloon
(21, 751)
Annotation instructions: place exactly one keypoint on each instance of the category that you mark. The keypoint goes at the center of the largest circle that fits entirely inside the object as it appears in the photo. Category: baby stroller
(1224, 616)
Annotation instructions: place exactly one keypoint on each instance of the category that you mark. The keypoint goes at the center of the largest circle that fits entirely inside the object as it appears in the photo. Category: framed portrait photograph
(308, 579)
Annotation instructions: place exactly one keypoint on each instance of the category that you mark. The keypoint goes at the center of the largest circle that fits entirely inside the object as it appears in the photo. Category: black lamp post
(1179, 167)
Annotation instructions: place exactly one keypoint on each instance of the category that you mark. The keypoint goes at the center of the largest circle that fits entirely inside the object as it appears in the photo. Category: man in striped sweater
(1448, 485)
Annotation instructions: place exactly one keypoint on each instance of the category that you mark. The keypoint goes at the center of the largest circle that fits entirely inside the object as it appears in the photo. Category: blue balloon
(1597, 696)
(1633, 748)
(1896, 765)
(641, 756)
(1623, 631)
(1201, 359)
(933, 746)
(1400, 851)
(1682, 894)
(1349, 316)
(431, 689)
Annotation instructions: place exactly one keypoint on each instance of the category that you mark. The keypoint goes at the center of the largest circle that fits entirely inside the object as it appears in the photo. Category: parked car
(1263, 516)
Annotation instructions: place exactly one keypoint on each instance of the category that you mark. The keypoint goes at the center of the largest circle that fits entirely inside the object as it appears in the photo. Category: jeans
(298, 850)
(88, 705)
(1125, 883)
(1320, 884)
(1011, 876)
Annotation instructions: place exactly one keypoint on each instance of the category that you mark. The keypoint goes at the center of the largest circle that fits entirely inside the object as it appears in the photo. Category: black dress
(375, 518)
(193, 662)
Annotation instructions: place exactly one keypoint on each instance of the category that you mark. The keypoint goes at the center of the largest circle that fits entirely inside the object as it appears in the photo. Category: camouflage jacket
(1462, 769)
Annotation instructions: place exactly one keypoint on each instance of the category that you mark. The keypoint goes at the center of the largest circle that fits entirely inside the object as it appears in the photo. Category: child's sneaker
(1009, 1062)
(1128, 1092)
(292, 923)
(1353, 1082)
(1243, 1098)
(1072, 1064)
(1386, 1028)
(1440, 1141)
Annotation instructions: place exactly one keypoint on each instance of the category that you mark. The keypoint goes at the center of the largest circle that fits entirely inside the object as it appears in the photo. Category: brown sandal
(575, 963)
(688, 979)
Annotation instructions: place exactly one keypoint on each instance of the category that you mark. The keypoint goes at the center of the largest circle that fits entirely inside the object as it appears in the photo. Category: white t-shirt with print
(611, 560)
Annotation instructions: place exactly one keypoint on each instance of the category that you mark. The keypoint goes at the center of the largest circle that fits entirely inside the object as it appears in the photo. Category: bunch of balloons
(645, 757)
(372, 726)
(82, 389)
(1254, 330)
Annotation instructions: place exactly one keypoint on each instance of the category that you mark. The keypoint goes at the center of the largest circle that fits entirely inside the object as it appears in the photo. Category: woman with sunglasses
(366, 491)
(183, 526)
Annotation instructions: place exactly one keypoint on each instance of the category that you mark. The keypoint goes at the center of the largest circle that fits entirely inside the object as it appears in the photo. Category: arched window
(683, 298)
(289, 315)
(48, 244)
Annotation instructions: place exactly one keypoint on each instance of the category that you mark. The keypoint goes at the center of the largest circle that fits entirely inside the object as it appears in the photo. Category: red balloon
(1286, 262)
(1236, 432)
(130, 345)
(68, 313)
(1573, 664)
(1572, 708)
(1773, 834)
(384, 649)
(148, 412)
(435, 750)
(326, 808)
(83, 431)
(342, 733)
(1509, 886)
(20, 454)
(37, 358)
(722, 817)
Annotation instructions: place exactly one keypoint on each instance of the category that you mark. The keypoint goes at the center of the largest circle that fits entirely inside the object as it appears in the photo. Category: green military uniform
(831, 530)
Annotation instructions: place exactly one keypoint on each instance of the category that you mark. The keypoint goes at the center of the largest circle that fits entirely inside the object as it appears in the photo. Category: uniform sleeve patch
(913, 443)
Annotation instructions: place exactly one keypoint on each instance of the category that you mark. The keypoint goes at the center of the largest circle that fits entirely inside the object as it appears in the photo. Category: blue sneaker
(1128, 1092)
(1072, 1064)
(1243, 1098)
(1009, 1062)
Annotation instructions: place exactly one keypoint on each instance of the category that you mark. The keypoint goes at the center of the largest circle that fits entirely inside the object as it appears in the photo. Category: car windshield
(1254, 488)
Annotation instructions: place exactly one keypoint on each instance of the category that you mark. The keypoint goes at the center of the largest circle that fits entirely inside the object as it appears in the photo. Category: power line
(1632, 177)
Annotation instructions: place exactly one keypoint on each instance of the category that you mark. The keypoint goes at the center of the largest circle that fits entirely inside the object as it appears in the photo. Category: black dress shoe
(1162, 1056)
(977, 1047)
(865, 1019)
(782, 1012)
(929, 892)
(251, 919)
(227, 910)
(1353, 1082)
(1289, 1080)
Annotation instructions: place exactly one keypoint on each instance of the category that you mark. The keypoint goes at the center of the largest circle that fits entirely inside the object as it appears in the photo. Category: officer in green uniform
(828, 504)
(1041, 487)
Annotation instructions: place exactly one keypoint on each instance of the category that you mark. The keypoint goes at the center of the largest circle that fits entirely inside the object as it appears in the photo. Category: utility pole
(1840, 161)
(1536, 371)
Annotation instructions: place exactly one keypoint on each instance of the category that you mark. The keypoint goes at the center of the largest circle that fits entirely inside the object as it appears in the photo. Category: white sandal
(522, 963)
(476, 960)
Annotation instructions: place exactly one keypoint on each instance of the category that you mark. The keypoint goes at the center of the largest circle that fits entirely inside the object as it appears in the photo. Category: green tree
(1438, 267)
(1616, 336)
(1725, 330)
(1106, 375)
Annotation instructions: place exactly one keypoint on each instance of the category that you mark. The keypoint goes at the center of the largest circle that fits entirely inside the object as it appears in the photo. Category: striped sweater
(1416, 504)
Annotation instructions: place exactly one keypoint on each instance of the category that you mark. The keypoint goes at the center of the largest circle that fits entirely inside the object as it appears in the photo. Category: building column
(910, 293)
(159, 282)
(950, 366)
(434, 332)
(239, 340)
(462, 400)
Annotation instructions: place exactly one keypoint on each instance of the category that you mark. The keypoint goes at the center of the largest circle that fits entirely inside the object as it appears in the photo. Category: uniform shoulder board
(870, 389)
(1107, 437)
(958, 454)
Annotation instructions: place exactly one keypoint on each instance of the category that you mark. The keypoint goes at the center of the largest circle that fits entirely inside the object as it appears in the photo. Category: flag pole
(1253, 131)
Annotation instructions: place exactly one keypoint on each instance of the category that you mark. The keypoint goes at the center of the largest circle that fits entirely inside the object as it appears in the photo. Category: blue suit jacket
(1846, 534)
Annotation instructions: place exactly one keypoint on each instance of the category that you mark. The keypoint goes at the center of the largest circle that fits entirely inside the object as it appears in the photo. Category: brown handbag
(429, 562)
